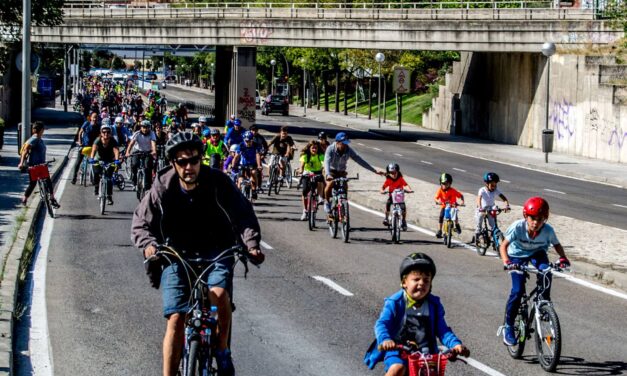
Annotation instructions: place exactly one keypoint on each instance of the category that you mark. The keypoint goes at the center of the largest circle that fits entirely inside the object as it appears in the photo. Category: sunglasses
(105, 132)
(183, 162)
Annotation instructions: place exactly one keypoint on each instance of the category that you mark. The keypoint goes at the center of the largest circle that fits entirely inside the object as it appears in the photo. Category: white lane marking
(620, 206)
(505, 181)
(482, 367)
(332, 285)
(519, 166)
(426, 162)
(360, 144)
(398, 155)
(554, 191)
(377, 149)
(266, 245)
(459, 169)
(471, 248)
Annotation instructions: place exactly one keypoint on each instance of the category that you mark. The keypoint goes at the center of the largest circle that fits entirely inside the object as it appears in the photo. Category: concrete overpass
(416, 26)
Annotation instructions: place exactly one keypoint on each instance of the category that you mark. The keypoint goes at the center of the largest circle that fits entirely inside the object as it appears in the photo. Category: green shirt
(314, 164)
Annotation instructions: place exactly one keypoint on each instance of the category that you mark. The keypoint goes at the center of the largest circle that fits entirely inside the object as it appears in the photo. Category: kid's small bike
(490, 236)
(450, 218)
(396, 214)
(421, 363)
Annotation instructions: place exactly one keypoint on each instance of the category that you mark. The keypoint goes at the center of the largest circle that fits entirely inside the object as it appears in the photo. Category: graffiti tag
(616, 139)
(563, 119)
(255, 32)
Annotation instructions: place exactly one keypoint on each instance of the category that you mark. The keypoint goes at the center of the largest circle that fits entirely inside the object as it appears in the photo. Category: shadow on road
(570, 365)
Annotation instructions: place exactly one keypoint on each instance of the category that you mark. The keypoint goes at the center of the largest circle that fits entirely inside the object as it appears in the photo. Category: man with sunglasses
(187, 200)
(248, 158)
(105, 150)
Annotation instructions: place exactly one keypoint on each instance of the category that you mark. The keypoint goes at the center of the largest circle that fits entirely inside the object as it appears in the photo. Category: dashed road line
(377, 149)
(620, 206)
(360, 144)
(505, 181)
(398, 155)
(265, 245)
(554, 191)
(459, 169)
(426, 162)
(333, 285)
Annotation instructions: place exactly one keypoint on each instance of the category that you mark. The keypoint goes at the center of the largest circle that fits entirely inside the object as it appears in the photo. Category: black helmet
(322, 135)
(393, 167)
(182, 140)
(417, 261)
(446, 178)
(491, 177)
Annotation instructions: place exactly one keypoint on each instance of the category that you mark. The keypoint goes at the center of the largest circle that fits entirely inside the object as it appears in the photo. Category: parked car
(275, 103)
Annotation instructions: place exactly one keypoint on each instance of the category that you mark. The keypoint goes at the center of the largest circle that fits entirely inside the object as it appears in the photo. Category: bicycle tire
(346, 225)
(449, 235)
(520, 329)
(484, 243)
(45, 196)
(103, 194)
(396, 229)
(548, 362)
(333, 224)
(140, 185)
(83, 172)
(120, 181)
(192, 363)
(277, 184)
(311, 212)
(145, 185)
(288, 174)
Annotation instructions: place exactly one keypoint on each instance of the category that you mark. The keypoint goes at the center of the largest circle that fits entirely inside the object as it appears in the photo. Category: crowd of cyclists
(122, 127)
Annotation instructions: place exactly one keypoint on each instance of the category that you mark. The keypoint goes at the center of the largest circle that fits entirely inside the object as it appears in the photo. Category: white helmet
(234, 148)
(119, 119)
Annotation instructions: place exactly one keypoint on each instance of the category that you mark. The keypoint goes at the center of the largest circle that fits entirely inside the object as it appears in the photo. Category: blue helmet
(343, 138)
(237, 122)
(206, 132)
(248, 136)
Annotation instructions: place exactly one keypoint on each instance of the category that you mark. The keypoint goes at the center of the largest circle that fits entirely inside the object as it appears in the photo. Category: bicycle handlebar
(523, 268)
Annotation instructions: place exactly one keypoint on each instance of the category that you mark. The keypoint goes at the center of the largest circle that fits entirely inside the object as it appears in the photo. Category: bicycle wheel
(277, 183)
(45, 197)
(483, 243)
(192, 361)
(120, 181)
(520, 329)
(139, 189)
(346, 225)
(333, 223)
(396, 229)
(449, 235)
(288, 174)
(103, 194)
(83, 172)
(311, 210)
(548, 338)
(145, 183)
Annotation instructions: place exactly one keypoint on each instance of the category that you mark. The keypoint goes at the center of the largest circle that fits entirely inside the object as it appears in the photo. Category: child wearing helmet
(412, 314)
(447, 194)
(394, 180)
(527, 240)
(486, 198)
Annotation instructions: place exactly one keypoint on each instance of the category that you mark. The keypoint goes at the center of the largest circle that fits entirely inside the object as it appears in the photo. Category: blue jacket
(392, 319)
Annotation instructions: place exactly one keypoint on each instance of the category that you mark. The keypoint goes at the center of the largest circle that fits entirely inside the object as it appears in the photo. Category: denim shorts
(175, 285)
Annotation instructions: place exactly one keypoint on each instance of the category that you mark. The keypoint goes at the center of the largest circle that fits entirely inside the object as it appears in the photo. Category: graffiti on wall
(617, 139)
(608, 129)
(563, 119)
(253, 32)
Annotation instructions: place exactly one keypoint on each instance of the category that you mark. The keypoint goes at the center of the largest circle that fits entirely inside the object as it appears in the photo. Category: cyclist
(120, 132)
(311, 162)
(144, 141)
(215, 150)
(259, 139)
(234, 136)
(283, 148)
(229, 123)
(485, 201)
(447, 194)
(248, 160)
(394, 180)
(33, 154)
(528, 240)
(412, 314)
(197, 130)
(323, 141)
(105, 150)
(335, 159)
(86, 135)
(188, 200)
(202, 120)
(181, 112)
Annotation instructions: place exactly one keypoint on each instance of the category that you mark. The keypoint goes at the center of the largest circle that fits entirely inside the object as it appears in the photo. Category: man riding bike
(248, 158)
(187, 203)
(86, 135)
(142, 141)
(283, 148)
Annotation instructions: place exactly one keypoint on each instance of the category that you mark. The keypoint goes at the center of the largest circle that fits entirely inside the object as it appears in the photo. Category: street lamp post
(302, 60)
(380, 58)
(548, 50)
(273, 63)
(200, 75)
(212, 74)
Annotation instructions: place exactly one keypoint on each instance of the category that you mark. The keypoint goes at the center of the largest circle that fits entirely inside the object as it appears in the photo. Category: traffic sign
(34, 62)
(400, 85)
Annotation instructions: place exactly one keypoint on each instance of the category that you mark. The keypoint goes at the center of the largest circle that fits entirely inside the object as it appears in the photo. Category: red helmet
(536, 206)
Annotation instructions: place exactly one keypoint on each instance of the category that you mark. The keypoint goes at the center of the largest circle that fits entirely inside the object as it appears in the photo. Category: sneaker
(109, 200)
(404, 225)
(509, 336)
(327, 207)
(477, 239)
(74, 181)
(55, 203)
(304, 216)
(95, 192)
(320, 200)
(438, 234)
(458, 228)
(24, 201)
(386, 222)
(225, 363)
(254, 195)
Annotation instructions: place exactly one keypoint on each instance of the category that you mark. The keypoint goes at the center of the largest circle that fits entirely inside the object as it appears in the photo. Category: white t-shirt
(142, 142)
(488, 198)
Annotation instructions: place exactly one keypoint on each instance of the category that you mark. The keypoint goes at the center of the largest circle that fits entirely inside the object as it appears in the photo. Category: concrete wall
(504, 99)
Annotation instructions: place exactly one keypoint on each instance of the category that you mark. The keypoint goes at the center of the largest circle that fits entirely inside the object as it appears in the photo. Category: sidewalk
(561, 164)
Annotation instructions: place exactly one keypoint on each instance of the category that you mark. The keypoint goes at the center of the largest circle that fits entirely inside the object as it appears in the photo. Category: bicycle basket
(398, 196)
(38, 172)
(427, 365)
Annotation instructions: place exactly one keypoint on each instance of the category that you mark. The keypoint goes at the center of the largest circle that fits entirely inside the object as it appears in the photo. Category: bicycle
(144, 175)
(339, 208)
(541, 322)
(161, 162)
(201, 321)
(311, 201)
(450, 217)
(85, 171)
(246, 183)
(420, 363)
(40, 173)
(396, 212)
(490, 236)
(273, 175)
(105, 180)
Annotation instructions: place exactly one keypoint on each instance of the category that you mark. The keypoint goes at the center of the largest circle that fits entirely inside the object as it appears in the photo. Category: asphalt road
(178, 94)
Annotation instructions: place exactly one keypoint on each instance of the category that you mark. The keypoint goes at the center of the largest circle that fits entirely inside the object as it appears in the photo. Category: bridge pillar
(236, 75)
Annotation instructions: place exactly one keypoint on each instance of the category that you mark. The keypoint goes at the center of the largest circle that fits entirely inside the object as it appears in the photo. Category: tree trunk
(326, 94)
(346, 94)
(337, 90)
(369, 98)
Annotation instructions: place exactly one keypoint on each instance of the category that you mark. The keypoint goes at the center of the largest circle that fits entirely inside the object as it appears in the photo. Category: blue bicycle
(490, 237)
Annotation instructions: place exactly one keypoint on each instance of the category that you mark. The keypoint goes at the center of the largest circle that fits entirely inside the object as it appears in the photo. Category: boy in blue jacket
(411, 314)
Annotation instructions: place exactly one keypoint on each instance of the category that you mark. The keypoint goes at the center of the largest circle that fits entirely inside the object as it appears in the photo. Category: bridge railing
(467, 10)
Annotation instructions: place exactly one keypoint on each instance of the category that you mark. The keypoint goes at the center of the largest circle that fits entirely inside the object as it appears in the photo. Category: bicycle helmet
(202, 119)
(536, 206)
(417, 261)
(446, 178)
(248, 136)
(119, 119)
(232, 117)
(206, 132)
(234, 148)
(182, 140)
(237, 122)
(322, 135)
(106, 121)
(105, 126)
(146, 123)
(195, 125)
(214, 131)
(393, 167)
(489, 177)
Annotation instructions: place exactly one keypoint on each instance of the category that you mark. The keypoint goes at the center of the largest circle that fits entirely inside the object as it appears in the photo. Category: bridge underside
(457, 35)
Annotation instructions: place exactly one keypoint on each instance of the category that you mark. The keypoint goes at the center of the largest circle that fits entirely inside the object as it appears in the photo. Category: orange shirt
(450, 195)
(394, 184)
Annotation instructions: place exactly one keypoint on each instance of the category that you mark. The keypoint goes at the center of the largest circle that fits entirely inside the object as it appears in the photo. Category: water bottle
(447, 212)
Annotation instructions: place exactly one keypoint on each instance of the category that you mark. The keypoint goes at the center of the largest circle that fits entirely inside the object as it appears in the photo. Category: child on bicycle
(527, 240)
(447, 194)
(485, 201)
(311, 162)
(394, 180)
(412, 314)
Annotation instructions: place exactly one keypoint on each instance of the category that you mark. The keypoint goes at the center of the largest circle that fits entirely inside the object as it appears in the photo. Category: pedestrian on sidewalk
(33, 153)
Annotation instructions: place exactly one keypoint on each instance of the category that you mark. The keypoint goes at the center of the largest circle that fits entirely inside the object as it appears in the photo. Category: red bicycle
(40, 173)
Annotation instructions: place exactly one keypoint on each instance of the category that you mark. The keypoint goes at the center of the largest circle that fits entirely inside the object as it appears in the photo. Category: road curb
(12, 266)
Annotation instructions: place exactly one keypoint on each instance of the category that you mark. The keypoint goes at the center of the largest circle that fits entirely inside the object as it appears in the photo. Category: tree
(137, 65)
(148, 64)
(117, 63)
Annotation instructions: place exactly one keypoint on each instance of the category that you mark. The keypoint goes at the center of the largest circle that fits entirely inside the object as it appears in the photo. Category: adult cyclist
(335, 159)
(86, 135)
(248, 160)
(143, 141)
(187, 202)
(215, 150)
